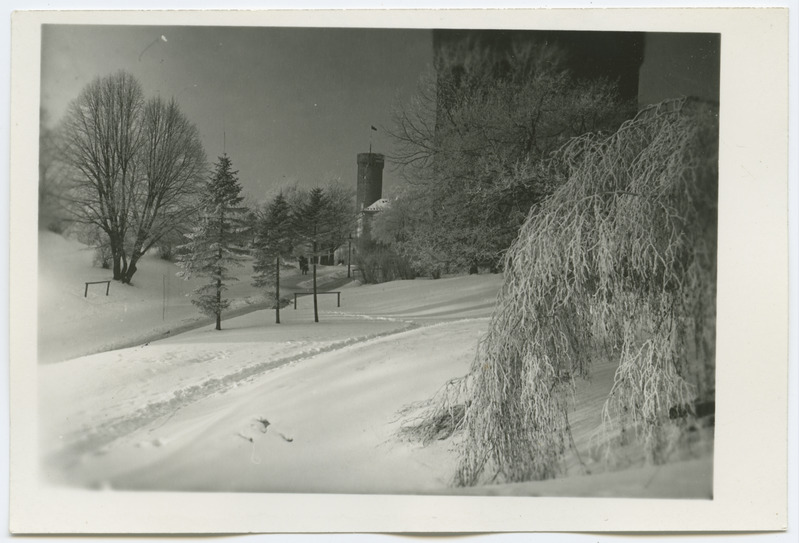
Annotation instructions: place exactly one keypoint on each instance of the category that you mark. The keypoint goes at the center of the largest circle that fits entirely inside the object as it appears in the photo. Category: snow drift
(295, 407)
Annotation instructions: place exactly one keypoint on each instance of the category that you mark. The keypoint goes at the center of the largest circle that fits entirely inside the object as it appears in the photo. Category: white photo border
(750, 479)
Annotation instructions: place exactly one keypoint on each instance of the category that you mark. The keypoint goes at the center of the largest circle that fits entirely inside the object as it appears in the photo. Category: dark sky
(294, 103)
(677, 64)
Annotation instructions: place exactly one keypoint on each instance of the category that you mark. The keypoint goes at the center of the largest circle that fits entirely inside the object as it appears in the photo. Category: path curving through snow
(295, 407)
(120, 417)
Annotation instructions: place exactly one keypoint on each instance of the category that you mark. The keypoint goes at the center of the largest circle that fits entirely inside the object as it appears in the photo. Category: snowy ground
(71, 324)
(295, 407)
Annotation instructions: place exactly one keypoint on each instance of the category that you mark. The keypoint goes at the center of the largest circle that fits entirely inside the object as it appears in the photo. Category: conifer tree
(218, 241)
(312, 223)
(273, 244)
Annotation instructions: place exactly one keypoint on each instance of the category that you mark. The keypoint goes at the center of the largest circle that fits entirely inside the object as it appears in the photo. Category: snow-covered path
(295, 407)
(120, 417)
(130, 387)
(331, 423)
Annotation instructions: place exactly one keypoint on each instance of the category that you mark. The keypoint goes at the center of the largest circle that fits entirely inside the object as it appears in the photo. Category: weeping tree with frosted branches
(619, 262)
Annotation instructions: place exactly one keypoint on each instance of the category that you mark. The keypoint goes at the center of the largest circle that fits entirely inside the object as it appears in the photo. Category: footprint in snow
(263, 425)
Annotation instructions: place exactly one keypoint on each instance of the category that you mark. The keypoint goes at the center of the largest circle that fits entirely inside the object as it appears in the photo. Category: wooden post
(338, 299)
(295, 300)
(87, 283)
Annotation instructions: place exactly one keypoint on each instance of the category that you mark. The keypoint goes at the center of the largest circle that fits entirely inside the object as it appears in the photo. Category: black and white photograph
(410, 261)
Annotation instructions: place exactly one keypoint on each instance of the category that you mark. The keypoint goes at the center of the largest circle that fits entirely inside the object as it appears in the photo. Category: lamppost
(349, 255)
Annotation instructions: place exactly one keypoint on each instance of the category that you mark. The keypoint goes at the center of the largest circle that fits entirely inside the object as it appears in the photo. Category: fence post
(86, 291)
(295, 300)
(338, 299)
(107, 287)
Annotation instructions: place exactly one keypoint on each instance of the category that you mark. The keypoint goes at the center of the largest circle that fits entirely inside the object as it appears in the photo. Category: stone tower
(370, 180)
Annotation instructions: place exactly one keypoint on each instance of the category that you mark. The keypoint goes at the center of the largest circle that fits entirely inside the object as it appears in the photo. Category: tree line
(228, 234)
(132, 173)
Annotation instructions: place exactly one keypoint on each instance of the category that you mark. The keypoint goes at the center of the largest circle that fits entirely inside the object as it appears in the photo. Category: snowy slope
(89, 402)
(330, 426)
(157, 304)
(300, 406)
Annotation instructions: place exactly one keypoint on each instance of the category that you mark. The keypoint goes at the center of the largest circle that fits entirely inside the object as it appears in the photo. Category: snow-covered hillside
(295, 407)
(74, 321)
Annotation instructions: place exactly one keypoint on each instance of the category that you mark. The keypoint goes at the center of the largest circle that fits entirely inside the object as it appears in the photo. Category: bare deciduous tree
(101, 137)
(134, 166)
(171, 168)
(470, 142)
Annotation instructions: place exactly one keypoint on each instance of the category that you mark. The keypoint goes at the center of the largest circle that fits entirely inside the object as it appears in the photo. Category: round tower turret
(370, 180)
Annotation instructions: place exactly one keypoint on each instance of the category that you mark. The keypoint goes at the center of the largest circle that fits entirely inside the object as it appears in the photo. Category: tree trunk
(277, 290)
(218, 304)
(116, 265)
(315, 307)
(219, 295)
(219, 277)
(131, 267)
(116, 256)
(135, 255)
(126, 279)
(124, 269)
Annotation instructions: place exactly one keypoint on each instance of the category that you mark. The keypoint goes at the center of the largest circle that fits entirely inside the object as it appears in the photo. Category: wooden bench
(107, 286)
(336, 292)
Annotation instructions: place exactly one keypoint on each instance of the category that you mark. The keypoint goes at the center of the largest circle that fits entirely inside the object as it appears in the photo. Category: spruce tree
(273, 244)
(218, 241)
(312, 223)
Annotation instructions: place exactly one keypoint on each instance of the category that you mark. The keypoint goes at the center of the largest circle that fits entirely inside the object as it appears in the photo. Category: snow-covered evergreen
(273, 245)
(218, 242)
(312, 219)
